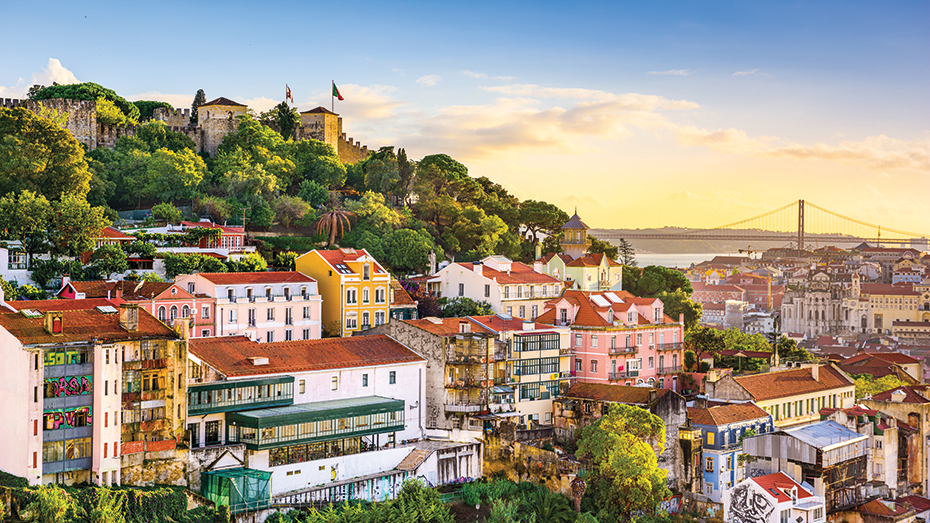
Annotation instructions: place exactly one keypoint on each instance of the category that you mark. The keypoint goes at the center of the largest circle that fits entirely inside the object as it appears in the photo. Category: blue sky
(712, 111)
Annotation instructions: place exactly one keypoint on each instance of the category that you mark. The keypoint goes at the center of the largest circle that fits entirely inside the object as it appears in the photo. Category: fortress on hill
(216, 119)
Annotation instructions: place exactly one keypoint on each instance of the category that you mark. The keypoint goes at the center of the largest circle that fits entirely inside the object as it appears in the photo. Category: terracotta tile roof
(773, 483)
(613, 393)
(919, 503)
(322, 110)
(83, 325)
(446, 327)
(591, 260)
(401, 297)
(889, 357)
(549, 255)
(726, 414)
(211, 225)
(223, 101)
(344, 255)
(63, 305)
(519, 274)
(256, 278)
(93, 288)
(229, 354)
(882, 507)
(781, 384)
(884, 289)
(110, 232)
(495, 322)
(912, 394)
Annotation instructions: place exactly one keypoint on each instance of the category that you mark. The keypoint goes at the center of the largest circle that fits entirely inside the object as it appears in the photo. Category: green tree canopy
(866, 385)
(199, 99)
(626, 253)
(623, 447)
(37, 155)
(462, 306)
(541, 217)
(284, 117)
(108, 259)
(76, 224)
(602, 247)
(25, 217)
(89, 91)
(677, 302)
(147, 108)
(651, 280)
(167, 212)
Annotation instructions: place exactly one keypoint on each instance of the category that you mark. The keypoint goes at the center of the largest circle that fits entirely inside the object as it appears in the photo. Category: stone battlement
(174, 117)
(11, 103)
(351, 151)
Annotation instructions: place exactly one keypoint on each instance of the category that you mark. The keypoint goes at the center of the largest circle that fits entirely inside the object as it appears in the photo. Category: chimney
(65, 280)
(652, 396)
(129, 317)
(815, 372)
(529, 325)
(464, 326)
(183, 327)
(53, 323)
(478, 267)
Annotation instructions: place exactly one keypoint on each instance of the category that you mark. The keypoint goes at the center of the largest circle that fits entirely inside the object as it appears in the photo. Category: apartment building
(264, 306)
(354, 287)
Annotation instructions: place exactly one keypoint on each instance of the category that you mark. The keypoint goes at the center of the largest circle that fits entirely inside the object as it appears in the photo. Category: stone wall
(107, 135)
(350, 151)
(174, 117)
(213, 130)
(82, 115)
(201, 458)
(148, 468)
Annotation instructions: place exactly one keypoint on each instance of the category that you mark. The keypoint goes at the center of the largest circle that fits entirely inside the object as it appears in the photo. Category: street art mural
(68, 418)
(748, 505)
(671, 505)
(68, 386)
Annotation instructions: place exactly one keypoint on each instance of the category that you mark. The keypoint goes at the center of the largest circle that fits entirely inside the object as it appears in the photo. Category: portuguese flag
(336, 92)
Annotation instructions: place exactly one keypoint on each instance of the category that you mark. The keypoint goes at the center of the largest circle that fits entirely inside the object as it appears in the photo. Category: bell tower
(575, 240)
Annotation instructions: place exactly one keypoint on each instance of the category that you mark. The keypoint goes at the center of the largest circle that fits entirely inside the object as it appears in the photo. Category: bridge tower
(800, 228)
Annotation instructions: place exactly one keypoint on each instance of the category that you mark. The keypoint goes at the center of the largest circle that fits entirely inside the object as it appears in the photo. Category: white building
(773, 498)
(315, 413)
(511, 288)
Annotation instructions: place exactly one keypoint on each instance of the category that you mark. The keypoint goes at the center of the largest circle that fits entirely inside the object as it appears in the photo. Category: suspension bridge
(790, 223)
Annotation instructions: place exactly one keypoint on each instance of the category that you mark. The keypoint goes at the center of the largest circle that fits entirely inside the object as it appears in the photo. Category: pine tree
(627, 253)
(199, 99)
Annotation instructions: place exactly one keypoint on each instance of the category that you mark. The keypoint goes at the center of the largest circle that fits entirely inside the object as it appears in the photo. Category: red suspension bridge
(790, 224)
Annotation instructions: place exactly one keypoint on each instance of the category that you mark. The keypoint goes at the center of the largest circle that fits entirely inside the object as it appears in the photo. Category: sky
(638, 114)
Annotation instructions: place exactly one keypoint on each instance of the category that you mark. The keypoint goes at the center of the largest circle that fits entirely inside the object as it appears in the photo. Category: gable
(727, 388)
(226, 461)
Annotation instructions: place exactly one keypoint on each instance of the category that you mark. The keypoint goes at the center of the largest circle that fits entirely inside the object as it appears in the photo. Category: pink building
(165, 301)
(618, 338)
(264, 306)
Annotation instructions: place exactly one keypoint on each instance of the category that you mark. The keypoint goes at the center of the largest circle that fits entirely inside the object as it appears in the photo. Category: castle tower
(217, 118)
(575, 241)
(323, 125)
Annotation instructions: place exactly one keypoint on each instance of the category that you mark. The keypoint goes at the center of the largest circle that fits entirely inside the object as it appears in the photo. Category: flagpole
(332, 97)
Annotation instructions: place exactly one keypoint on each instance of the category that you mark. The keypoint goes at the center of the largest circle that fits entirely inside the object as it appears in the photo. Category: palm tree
(334, 223)
(551, 507)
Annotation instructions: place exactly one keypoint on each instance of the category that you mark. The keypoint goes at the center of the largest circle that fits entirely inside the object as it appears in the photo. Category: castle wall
(82, 116)
(350, 151)
(216, 121)
(173, 118)
(107, 135)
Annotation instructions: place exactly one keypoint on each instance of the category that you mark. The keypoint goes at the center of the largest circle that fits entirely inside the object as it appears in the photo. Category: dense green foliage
(670, 286)
(866, 385)
(89, 91)
(147, 108)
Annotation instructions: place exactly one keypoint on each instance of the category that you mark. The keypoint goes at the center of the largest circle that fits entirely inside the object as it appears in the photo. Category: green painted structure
(241, 489)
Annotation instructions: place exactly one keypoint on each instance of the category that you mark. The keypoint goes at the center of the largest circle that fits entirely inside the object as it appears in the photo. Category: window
(365, 295)
(205, 312)
(269, 313)
(392, 377)
(288, 335)
(108, 357)
(708, 464)
(593, 366)
(335, 382)
(352, 321)
(487, 291)
(232, 316)
(306, 334)
(729, 462)
(535, 313)
(379, 295)
(594, 341)
(162, 313)
(578, 365)
(506, 291)
(288, 316)
(186, 312)
(510, 311)
(302, 386)
(578, 340)
(351, 296)
(818, 514)
(784, 515)
(251, 315)
(306, 313)
(651, 362)
(364, 380)
(366, 272)
(269, 336)
(710, 438)
(461, 289)
(523, 311)
(365, 318)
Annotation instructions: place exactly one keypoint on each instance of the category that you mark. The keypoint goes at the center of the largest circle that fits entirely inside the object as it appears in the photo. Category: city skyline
(639, 116)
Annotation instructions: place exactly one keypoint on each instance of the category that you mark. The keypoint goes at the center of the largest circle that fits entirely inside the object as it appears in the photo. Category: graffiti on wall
(748, 505)
(671, 505)
(68, 418)
(68, 386)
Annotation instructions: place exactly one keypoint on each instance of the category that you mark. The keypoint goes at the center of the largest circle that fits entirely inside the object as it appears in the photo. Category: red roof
(256, 278)
(591, 260)
(401, 297)
(446, 327)
(518, 273)
(588, 314)
(499, 324)
(919, 503)
(912, 394)
(774, 483)
(613, 393)
(222, 101)
(780, 384)
(549, 255)
(889, 357)
(884, 289)
(726, 414)
(83, 325)
(230, 354)
(336, 256)
(110, 232)
(882, 507)
(62, 305)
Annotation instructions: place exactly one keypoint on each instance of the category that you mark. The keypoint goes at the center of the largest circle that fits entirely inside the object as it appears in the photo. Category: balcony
(464, 407)
(565, 351)
(468, 384)
(615, 351)
(622, 375)
(673, 369)
(226, 396)
(466, 358)
(668, 346)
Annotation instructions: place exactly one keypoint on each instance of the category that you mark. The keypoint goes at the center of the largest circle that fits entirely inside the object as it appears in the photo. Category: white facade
(752, 501)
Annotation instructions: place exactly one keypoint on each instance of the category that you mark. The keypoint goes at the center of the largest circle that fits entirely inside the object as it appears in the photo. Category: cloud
(429, 80)
(745, 73)
(53, 72)
(473, 74)
(673, 72)
(583, 199)
(630, 101)
(373, 102)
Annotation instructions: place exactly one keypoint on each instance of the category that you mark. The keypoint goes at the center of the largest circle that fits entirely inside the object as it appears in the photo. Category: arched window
(161, 313)
(174, 312)
(185, 312)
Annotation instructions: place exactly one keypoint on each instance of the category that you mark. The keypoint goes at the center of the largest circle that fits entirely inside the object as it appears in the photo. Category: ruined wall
(107, 135)
(82, 116)
(173, 118)
(155, 466)
(520, 462)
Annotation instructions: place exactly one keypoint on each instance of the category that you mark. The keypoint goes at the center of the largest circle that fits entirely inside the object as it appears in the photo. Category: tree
(334, 224)
(462, 306)
(622, 446)
(167, 212)
(147, 108)
(89, 91)
(25, 217)
(51, 504)
(108, 259)
(109, 114)
(37, 155)
(286, 260)
(173, 176)
(650, 281)
(676, 303)
(626, 253)
(251, 262)
(602, 247)
(284, 117)
(866, 385)
(199, 99)
(75, 225)
(407, 250)
(541, 217)
(690, 360)
(289, 209)
(313, 193)
(216, 208)
(190, 263)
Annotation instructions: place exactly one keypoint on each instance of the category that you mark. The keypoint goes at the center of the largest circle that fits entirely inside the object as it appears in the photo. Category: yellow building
(354, 287)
